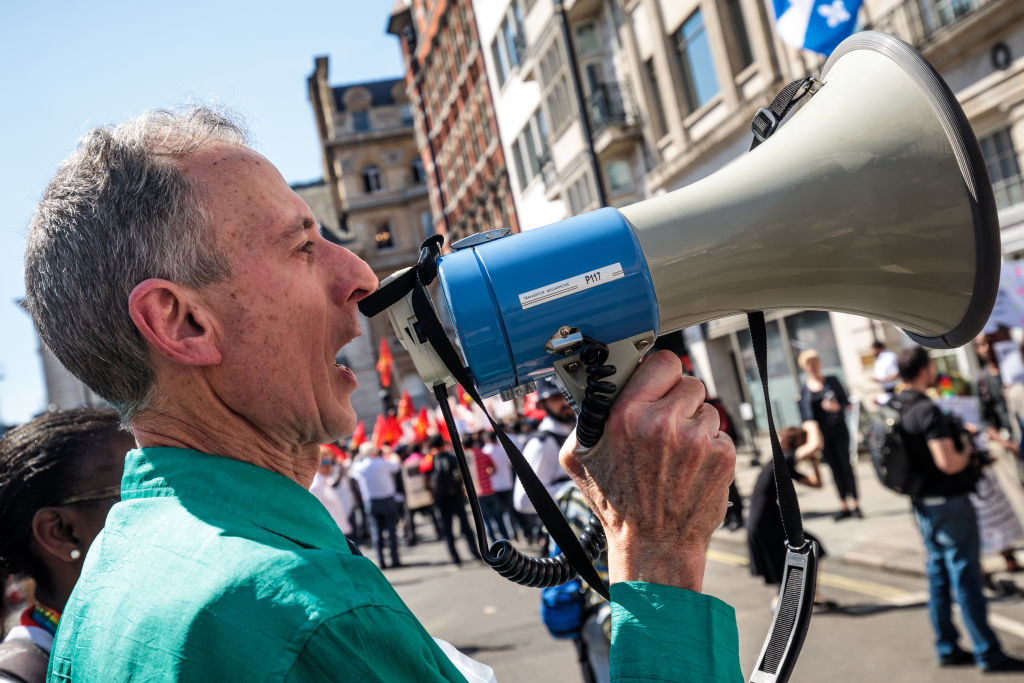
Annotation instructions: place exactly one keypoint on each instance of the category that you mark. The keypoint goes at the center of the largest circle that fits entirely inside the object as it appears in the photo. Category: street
(879, 633)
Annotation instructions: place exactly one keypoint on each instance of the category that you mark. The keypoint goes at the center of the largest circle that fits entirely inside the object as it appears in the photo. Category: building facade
(668, 89)
(454, 117)
(568, 117)
(374, 201)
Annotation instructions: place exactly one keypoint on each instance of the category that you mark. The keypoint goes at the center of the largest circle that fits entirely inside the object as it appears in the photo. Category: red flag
(405, 407)
(379, 432)
(392, 430)
(422, 425)
(384, 363)
(461, 396)
(442, 428)
(358, 436)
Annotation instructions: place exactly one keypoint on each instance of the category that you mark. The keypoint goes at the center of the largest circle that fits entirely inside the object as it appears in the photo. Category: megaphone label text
(577, 283)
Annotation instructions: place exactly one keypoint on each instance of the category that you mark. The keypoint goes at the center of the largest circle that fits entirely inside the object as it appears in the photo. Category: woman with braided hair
(59, 476)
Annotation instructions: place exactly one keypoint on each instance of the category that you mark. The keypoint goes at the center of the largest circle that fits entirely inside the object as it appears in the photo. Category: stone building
(374, 202)
(668, 89)
(453, 109)
(565, 107)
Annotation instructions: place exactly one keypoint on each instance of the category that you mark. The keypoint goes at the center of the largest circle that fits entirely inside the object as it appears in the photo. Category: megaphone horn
(873, 199)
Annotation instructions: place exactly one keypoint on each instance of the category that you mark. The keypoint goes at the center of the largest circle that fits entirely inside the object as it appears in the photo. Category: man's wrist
(673, 565)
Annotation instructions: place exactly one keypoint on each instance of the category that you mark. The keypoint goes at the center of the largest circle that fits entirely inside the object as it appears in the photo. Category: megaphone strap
(767, 119)
(504, 559)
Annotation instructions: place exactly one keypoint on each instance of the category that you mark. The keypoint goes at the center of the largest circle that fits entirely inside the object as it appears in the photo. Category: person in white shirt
(503, 481)
(887, 372)
(541, 452)
(336, 497)
(376, 477)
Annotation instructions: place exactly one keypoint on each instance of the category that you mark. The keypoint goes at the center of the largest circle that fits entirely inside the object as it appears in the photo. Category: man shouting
(172, 269)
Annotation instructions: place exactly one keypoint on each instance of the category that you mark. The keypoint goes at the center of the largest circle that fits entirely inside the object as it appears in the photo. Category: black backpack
(887, 443)
(446, 477)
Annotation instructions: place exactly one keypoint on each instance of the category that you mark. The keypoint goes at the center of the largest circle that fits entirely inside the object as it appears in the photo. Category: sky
(69, 66)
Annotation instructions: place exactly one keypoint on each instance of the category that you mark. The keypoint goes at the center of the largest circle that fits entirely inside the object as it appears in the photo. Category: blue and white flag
(816, 25)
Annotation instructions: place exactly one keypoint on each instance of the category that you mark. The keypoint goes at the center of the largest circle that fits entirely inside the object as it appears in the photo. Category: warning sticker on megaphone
(572, 285)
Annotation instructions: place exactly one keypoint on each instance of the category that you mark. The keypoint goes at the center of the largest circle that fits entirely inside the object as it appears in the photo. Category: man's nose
(355, 279)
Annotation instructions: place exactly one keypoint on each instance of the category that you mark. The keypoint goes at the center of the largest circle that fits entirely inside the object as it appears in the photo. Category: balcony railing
(607, 107)
(918, 21)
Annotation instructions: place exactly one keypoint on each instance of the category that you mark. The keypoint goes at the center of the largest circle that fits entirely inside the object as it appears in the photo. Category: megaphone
(873, 199)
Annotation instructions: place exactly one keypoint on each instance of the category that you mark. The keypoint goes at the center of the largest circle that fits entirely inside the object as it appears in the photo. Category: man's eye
(306, 248)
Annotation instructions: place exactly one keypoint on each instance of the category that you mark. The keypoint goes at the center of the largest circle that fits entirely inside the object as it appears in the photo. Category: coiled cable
(503, 557)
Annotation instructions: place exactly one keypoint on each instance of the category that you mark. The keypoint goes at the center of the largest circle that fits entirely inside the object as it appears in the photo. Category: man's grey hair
(118, 211)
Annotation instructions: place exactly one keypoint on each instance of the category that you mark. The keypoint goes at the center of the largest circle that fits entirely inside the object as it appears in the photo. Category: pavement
(886, 538)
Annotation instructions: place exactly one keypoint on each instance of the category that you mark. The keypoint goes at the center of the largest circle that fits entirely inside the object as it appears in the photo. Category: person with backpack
(541, 452)
(446, 485)
(941, 463)
(575, 610)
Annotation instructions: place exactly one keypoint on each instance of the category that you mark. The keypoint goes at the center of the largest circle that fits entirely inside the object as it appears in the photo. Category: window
(588, 40)
(383, 236)
(517, 158)
(619, 177)
(406, 113)
(1003, 168)
(698, 69)
(556, 87)
(361, 120)
(530, 149)
(371, 179)
(416, 170)
(580, 195)
(741, 53)
(500, 61)
(658, 122)
(508, 46)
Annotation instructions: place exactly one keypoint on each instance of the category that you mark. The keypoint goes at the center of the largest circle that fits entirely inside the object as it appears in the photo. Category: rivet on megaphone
(642, 344)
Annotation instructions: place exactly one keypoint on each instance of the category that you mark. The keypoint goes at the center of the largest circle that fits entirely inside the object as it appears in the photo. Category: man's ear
(164, 314)
(55, 535)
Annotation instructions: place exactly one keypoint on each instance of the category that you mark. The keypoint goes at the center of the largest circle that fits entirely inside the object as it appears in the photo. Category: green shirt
(211, 569)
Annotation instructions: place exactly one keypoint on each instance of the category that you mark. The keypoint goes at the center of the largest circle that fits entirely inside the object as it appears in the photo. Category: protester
(886, 371)
(823, 405)
(947, 520)
(333, 493)
(766, 537)
(376, 477)
(59, 477)
(995, 417)
(175, 272)
(446, 485)
(503, 482)
(490, 505)
(541, 452)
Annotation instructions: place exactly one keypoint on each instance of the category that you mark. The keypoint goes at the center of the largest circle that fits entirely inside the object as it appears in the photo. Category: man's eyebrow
(301, 225)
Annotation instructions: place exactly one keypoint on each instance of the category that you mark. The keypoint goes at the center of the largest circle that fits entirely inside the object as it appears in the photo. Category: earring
(75, 553)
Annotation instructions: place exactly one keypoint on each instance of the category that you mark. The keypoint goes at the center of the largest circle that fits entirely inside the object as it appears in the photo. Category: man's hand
(658, 479)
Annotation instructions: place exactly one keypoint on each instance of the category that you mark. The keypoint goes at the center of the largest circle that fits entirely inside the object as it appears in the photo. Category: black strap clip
(764, 124)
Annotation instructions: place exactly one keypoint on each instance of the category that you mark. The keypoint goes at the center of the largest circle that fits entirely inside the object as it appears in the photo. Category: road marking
(722, 557)
(871, 588)
(892, 595)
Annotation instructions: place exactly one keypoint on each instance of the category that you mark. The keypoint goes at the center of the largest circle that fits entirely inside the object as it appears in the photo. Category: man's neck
(227, 434)
(920, 386)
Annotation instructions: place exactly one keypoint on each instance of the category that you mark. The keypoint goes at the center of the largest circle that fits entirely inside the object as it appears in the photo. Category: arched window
(416, 168)
(371, 179)
(383, 236)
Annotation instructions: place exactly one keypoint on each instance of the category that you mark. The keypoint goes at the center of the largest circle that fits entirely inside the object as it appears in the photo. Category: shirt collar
(247, 492)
